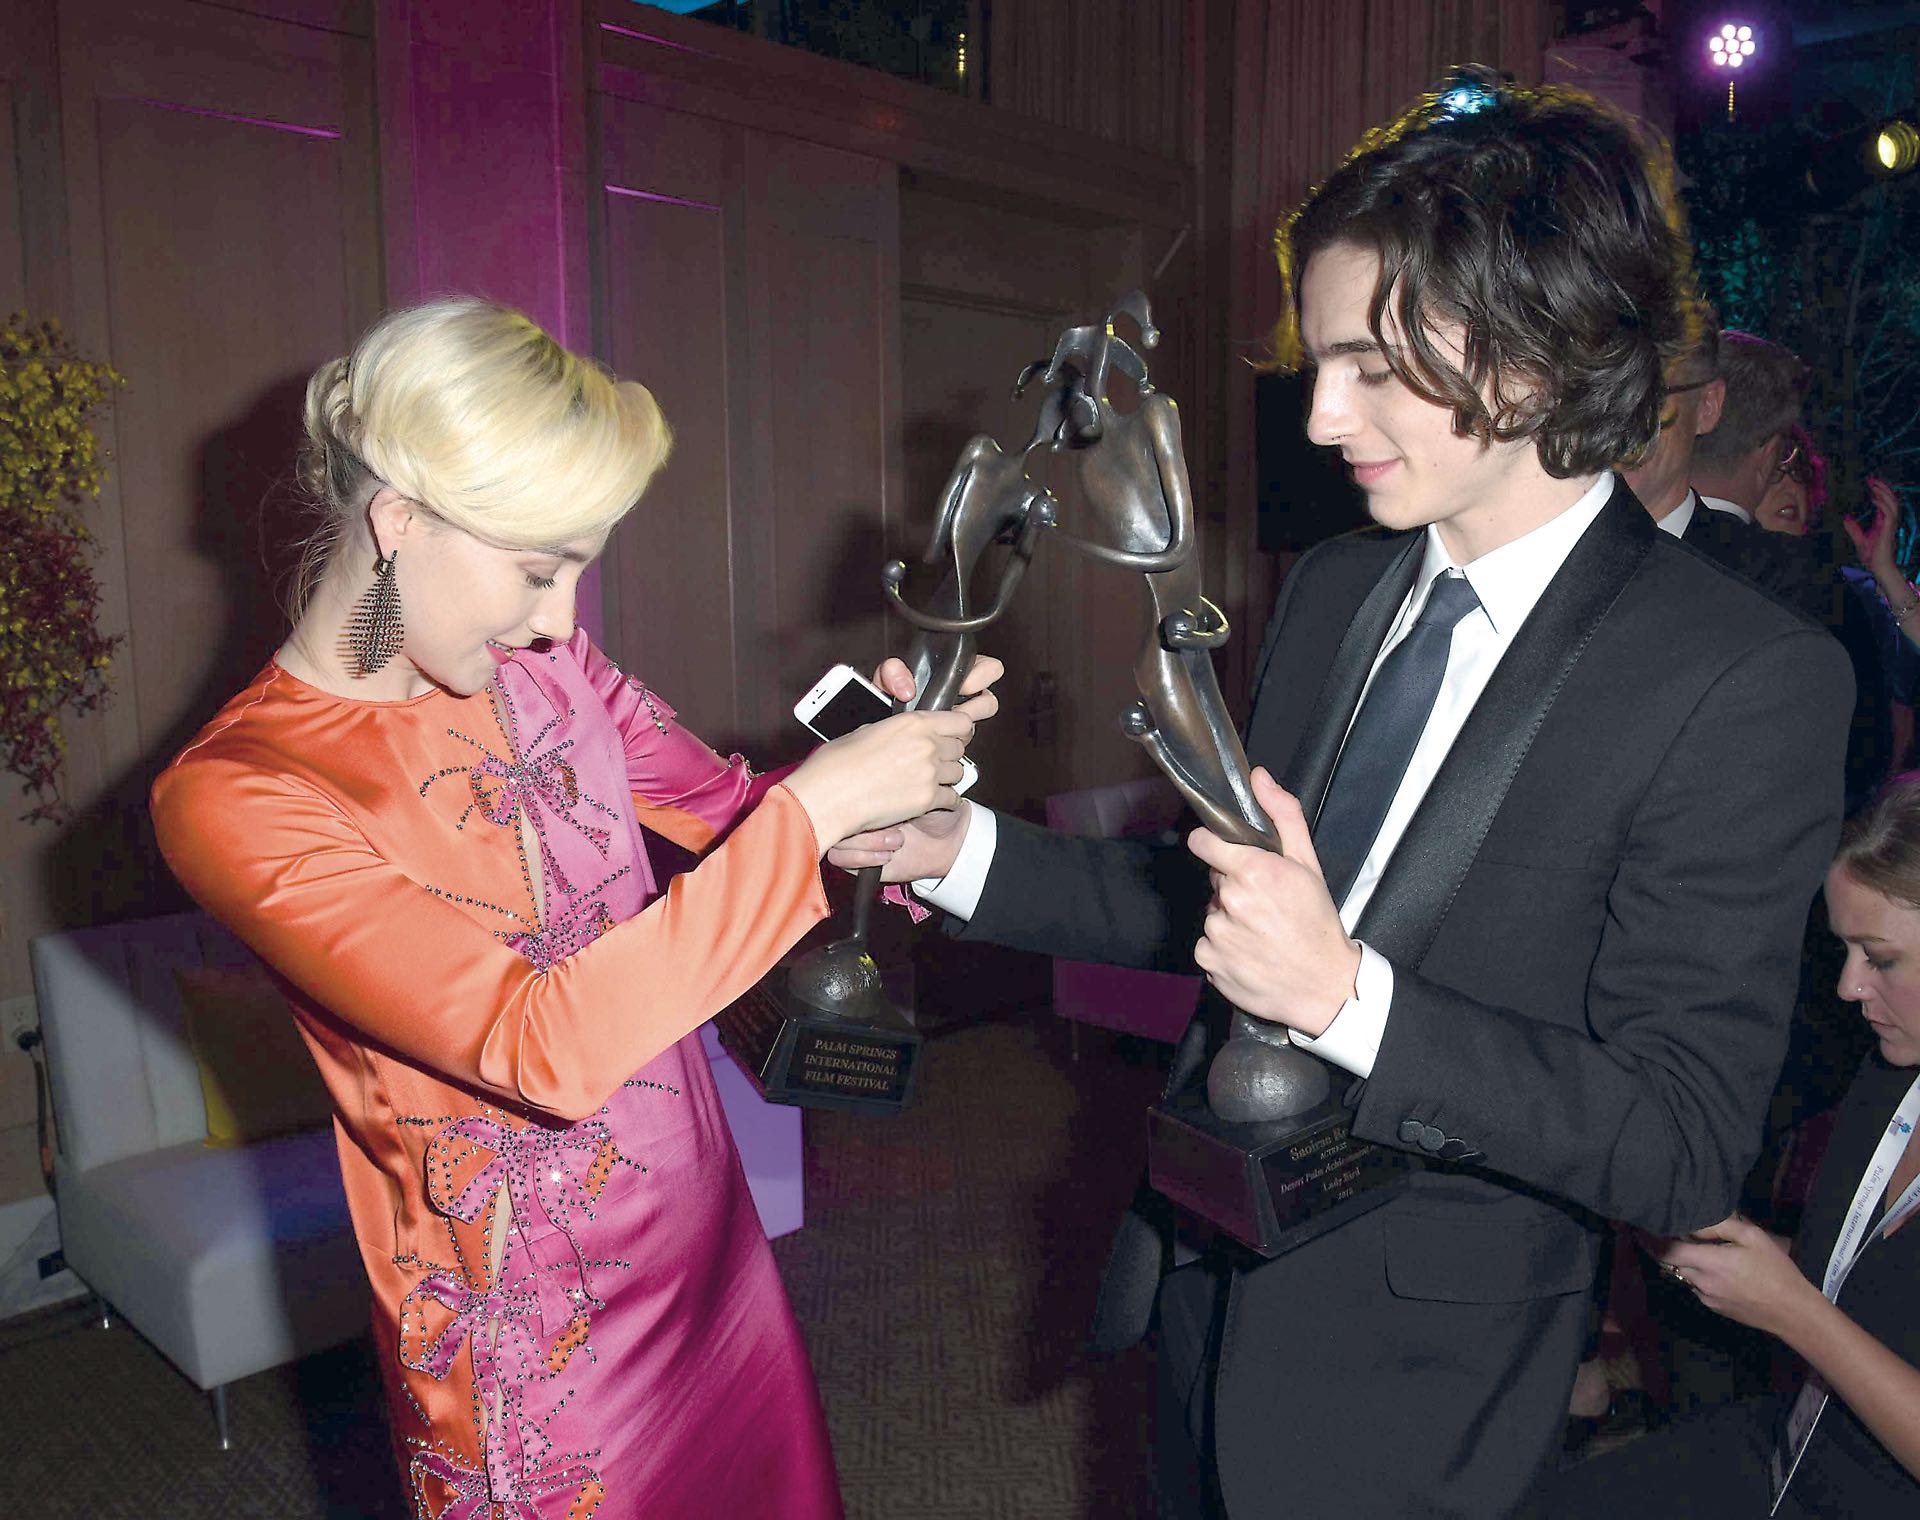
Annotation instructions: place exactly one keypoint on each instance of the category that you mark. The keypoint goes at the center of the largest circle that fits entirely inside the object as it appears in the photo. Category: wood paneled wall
(215, 195)
(987, 288)
(1119, 72)
(750, 280)
(27, 90)
(831, 342)
(193, 193)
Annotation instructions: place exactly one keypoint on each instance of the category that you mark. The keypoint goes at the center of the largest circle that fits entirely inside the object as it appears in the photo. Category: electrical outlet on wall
(17, 1016)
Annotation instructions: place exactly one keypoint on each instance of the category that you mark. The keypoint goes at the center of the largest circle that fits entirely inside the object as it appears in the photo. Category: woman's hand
(882, 774)
(924, 846)
(1875, 542)
(977, 700)
(1737, 1269)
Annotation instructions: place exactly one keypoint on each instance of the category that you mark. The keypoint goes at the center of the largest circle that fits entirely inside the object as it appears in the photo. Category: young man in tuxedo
(1558, 947)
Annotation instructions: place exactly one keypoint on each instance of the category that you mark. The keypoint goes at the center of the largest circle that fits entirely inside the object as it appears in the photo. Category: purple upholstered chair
(1154, 1004)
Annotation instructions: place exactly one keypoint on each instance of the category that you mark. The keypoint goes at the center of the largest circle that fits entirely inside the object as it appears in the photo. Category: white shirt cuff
(1352, 1040)
(958, 892)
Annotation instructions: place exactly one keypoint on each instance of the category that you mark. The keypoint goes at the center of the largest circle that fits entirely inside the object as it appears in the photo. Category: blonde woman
(424, 815)
(1845, 1444)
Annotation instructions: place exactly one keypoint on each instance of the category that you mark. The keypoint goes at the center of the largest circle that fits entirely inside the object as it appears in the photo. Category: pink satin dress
(574, 1303)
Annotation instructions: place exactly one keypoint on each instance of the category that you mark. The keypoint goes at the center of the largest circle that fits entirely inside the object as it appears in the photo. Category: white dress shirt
(1676, 521)
(1508, 581)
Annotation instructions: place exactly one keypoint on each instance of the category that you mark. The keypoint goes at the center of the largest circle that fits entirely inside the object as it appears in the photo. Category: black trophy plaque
(1270, 1186)
(796, 1053)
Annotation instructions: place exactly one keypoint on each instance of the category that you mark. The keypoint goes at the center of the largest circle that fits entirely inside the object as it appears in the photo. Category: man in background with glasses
(1688, 494)
(1662, 478)
(1739, 455)
(1746, 414)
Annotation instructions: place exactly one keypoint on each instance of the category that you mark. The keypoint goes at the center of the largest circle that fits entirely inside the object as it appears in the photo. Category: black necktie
(1384, 733)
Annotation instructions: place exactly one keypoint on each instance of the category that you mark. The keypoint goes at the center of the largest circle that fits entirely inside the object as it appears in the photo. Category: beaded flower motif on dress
(541, 787)
(523, 1327)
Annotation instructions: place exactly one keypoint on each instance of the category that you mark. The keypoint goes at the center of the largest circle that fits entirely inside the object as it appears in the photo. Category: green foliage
(1744, 252)
(1837, 284)
(53, 657)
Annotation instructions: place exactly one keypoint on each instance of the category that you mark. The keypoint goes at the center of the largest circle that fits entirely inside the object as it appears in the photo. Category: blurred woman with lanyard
(1846, 1442)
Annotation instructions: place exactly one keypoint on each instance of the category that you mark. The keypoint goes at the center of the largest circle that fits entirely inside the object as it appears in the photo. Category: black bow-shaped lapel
(1311, 767)
(1445, 833)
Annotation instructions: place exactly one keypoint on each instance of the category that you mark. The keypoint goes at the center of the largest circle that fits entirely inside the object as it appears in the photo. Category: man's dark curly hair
(1542, 223)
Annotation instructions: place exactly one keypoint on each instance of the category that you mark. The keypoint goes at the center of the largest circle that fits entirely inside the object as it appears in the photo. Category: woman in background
(424, 815)
(1793, 505)
(1845, 1300)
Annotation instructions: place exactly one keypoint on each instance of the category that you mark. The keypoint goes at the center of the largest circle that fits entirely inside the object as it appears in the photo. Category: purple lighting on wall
(665, 200)
(330, 134)
(627, 31)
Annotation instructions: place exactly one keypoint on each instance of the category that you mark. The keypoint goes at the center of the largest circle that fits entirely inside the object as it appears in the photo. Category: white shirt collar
(1510, 579)
(1676, 521)
(1721, 504)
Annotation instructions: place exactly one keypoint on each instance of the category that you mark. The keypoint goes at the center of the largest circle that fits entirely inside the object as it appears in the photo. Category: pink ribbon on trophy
(506, 792)
(900, 897)
(474, 1498)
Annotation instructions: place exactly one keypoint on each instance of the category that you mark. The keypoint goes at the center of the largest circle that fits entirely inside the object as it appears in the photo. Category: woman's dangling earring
(375, 631)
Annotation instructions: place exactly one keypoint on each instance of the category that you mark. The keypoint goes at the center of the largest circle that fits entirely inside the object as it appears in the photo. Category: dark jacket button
(1431, 1140)
(1410, 1131)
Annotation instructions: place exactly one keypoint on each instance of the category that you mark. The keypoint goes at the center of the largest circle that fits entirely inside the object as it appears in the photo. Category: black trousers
(1188, 1317)
(1710, 1467)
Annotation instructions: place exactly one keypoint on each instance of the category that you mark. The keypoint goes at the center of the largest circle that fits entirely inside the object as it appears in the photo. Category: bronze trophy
(1262, 1150)
(820, 1030)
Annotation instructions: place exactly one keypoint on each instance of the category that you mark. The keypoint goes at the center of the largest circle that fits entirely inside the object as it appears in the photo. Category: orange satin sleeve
(289, 873)
(693, 831)
(690, 832)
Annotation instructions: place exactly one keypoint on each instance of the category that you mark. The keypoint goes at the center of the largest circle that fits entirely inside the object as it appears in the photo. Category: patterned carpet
(943, 1279)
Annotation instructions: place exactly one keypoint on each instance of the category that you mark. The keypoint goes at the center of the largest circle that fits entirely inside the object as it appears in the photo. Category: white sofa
(232, 1261)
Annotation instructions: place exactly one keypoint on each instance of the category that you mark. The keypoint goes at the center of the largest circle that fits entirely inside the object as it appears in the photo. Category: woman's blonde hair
(1880, 844)
(473, 411)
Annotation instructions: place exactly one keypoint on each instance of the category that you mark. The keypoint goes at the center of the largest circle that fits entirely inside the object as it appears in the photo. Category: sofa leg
(219, 1397)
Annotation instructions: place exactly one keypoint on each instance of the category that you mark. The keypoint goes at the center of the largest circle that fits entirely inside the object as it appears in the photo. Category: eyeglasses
(1676, 390)
(1799, 468)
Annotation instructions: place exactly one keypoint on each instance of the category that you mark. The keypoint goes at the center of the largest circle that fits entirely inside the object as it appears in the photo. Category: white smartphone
(843, 700)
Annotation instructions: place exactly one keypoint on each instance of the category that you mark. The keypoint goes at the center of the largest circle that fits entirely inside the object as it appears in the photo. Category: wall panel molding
(702, 69)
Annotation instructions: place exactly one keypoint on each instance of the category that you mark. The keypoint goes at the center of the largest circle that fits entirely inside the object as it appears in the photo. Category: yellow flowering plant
(53, 657)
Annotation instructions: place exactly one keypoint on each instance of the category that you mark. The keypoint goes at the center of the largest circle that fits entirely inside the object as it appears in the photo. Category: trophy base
(1271, 1187)
(793, 1053)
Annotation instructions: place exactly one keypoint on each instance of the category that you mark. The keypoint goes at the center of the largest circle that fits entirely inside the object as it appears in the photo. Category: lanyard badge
(1857, 1232)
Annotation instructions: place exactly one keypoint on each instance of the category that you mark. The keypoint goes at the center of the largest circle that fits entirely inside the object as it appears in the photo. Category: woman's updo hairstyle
(1880, 845)
(471, 410)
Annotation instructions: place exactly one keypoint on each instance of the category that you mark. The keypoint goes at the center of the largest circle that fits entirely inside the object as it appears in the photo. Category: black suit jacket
(1594, 923)
(1794, 573)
